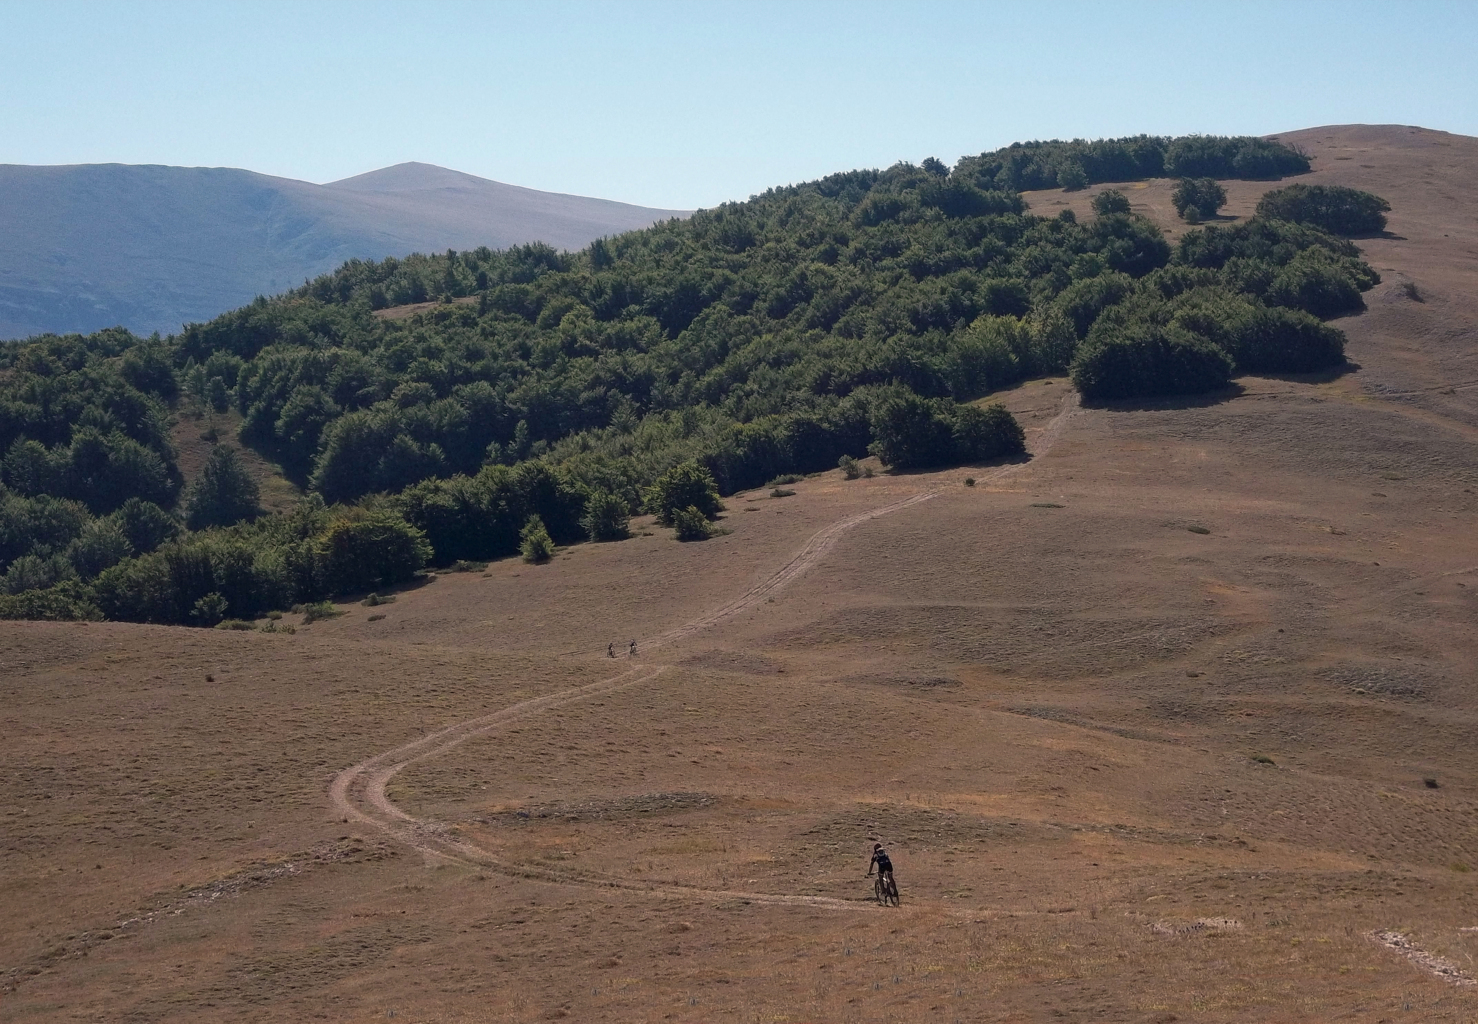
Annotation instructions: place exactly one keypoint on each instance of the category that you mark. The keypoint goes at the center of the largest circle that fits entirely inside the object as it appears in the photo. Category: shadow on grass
(1005, 460)
(1324, 376)
(1164, 402)
(420, 580)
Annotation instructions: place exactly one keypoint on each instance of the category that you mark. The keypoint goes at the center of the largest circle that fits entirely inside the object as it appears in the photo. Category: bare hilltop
(152, 247)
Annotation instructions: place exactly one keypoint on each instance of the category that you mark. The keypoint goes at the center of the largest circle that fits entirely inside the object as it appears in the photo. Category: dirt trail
(359, 793)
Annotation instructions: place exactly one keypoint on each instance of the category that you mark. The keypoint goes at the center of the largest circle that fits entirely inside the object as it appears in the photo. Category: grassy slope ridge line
(854, 314)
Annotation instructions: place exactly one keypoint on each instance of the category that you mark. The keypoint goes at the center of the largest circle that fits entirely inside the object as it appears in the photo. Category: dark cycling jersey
(881, 860)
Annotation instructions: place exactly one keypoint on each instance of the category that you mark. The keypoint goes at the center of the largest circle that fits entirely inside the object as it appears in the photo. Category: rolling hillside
(151, 247)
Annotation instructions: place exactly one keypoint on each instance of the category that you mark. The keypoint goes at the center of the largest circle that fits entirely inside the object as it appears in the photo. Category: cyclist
(611, 650)
(884, 866)
(631, 651)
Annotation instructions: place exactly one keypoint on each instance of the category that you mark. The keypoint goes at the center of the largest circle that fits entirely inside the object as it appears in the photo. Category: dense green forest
(562, 392)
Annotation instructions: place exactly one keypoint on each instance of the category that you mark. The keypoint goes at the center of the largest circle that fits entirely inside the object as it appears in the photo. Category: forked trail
(358, 793)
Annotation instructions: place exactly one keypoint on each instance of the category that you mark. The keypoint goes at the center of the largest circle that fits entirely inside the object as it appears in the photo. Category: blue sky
(689, 104)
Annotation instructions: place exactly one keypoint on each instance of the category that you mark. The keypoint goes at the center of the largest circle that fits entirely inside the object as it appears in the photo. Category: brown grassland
(1146, 722)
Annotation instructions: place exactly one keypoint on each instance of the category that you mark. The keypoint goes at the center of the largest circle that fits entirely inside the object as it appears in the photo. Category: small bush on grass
(375, 600)
(319, 610)
(1110, 201)
(535, 544)
(913, 432)
(606, 517)
(785, 478)
(1204, 195)
(462, 565)
(237, 624)
(365, 549)
(1264, 759)
(688, 485)
(209, 609)
(1320, 283)
(691, 524)
(1336, 209)
(1145, 360)
(969, 481)
(849, 467)
(782, 492)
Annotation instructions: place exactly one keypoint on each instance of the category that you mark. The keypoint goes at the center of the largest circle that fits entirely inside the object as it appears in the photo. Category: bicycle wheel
(880, 891)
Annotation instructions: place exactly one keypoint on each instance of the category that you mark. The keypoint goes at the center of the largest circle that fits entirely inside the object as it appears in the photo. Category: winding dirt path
(358, 793)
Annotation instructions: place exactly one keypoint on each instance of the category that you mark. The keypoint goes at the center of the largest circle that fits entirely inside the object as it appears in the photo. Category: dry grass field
(1173, 721)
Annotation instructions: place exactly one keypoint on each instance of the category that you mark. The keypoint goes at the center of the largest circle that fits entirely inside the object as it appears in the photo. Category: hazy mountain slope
(152, 247)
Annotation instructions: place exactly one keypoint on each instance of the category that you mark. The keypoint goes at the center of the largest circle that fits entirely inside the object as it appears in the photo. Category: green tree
(147, 367)
(209, 609)
(1204, 195)
(1072, 177)
(535, 544)
(606, 516)
(1110, 201)
(981, 434)
(911, 432)
(101, 546)
(224, 494)
(1141, 360)
(691, 524)
(688, 485)
(1334, 208)
(364, 549)
(218, 395)
(145, 524)
(35, 572)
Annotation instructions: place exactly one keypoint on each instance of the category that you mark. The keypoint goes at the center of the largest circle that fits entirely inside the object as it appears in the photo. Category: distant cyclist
(631, 651)
(611, 650)
(884, 866)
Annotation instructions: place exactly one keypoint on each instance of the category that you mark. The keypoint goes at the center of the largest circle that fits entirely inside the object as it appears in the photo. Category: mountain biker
(631, 652)
(884, 865)
(611, 650)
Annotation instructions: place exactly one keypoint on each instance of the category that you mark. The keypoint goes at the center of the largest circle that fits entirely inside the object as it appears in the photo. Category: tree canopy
(1333, 208)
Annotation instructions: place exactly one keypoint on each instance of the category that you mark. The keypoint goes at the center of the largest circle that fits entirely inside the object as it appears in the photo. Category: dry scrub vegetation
(1163, 724)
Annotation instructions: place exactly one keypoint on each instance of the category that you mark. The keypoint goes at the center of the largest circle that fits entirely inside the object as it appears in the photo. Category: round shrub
(535, 544)
(691, 524)
(688, 485)
(1110, 201)
(1285, 341)
(368, 549)
(988, 433)
(1334, 208)
(1072, 177)
(1145, 360)
(606, 516)
(224, 494)
(1318, 283)
(1204, 195)
(910, 431)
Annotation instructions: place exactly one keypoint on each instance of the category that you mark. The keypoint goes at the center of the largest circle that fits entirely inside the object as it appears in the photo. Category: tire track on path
(358, 793)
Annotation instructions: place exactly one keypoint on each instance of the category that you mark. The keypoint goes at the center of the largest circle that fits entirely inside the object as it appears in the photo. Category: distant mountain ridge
(152, 247)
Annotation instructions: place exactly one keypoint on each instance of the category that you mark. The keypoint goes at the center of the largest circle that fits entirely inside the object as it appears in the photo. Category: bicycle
(885, 889)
